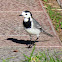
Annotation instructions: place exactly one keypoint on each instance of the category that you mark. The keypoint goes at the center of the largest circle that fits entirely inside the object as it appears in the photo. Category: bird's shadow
(27, 42)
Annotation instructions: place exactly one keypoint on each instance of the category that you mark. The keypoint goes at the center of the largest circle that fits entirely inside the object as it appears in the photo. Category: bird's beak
(20, 15)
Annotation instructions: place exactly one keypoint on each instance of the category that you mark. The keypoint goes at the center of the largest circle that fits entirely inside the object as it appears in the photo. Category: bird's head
(26, 14)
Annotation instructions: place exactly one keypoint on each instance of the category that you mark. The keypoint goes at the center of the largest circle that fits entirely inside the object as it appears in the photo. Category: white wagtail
(31, 25)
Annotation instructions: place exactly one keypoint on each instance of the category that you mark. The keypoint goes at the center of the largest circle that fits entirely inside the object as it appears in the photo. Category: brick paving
(8, 52)
(11, 24)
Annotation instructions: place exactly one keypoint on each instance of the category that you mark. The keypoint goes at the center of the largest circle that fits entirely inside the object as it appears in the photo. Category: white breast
(33, 31)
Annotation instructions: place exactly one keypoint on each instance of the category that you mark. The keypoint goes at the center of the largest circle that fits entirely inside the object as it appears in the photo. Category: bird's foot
(37, 38)
(29, 46)
(33, 43)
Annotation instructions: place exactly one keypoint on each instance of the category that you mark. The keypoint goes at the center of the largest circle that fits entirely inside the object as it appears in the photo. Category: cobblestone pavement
(12, 33)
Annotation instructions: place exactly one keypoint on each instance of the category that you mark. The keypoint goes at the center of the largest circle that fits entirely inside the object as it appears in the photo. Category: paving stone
(23, 41)
(18, 56)
(20, 5)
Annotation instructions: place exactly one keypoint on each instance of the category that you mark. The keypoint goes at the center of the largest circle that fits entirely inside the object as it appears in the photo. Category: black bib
(27, 24)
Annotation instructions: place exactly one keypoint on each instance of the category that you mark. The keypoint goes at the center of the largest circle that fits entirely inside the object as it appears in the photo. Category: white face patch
(26, 19)
(26, 15)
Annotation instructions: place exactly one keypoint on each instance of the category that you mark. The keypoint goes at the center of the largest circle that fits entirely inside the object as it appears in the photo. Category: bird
(32, 26)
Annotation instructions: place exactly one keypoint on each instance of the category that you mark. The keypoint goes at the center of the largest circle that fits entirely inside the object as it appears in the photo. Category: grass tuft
(41, 57)
(7, 60)
(55, 16)
(29, 58)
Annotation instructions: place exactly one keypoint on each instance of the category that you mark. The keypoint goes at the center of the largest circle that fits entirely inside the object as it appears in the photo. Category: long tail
(46, 33)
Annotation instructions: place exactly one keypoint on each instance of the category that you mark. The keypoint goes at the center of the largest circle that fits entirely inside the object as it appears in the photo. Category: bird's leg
(30, 42)
(37, 37)
(30, 38)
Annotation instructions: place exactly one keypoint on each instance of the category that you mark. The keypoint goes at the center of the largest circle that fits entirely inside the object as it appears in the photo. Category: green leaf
(61, 23)
(57, 20)
(32, 52)
(61, 26)
(26, 56)
(4, 60)
(45, 0)
(57, 26)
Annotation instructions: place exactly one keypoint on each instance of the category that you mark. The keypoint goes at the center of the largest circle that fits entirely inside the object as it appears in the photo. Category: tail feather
(46, 33)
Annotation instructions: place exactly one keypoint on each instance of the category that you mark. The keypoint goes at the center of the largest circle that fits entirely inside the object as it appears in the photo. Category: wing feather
(36, 24)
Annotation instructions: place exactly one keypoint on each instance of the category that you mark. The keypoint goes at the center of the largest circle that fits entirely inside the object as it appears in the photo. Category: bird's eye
(26, 14)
